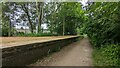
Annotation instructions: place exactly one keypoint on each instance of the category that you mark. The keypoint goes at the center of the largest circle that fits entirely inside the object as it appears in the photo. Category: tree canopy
(99, 20)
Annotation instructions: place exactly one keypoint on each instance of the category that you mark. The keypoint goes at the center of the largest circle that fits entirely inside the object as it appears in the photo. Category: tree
(25, 8)
(66, 19)
(7, 15)
(102, 25)
(39, 9)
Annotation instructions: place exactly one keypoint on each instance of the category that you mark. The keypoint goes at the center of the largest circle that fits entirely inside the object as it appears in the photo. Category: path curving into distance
(76, 54)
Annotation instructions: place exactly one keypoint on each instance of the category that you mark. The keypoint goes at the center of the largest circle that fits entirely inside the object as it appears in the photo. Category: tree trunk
(39, 6)
(31, 26)
(63, 25)
(28, 16)
(9, 34)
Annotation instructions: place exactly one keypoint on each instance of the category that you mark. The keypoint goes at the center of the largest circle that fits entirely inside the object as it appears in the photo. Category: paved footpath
(75, 54)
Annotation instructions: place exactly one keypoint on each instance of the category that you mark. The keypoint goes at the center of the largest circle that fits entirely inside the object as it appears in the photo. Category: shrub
(107, 56)
(35, 35)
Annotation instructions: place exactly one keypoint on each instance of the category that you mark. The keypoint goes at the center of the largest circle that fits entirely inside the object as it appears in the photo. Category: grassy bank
(107, 56)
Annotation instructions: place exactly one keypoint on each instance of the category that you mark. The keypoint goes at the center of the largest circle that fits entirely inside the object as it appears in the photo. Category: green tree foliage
(62, 18)
(103, 24)
(100, 21)
(66, 18)
(29, 13)
(107, 56)
(7, 15)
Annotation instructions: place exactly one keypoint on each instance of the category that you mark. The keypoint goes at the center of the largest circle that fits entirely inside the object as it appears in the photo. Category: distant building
(44, 28)
(22, 27)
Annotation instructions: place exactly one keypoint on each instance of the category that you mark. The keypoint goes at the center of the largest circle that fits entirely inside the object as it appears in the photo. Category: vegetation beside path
(100, 21)
(107, 56)
(103, 29)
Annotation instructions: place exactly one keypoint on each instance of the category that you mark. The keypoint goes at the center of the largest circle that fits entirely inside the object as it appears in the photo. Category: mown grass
(107, 56)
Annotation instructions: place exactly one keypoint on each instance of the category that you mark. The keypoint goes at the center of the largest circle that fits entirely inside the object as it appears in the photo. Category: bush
(35, 35)
(107, 56)
(20, 34)
(5, 31)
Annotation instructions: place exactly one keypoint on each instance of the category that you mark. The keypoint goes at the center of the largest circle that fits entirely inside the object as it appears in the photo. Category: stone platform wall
(27, 54)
